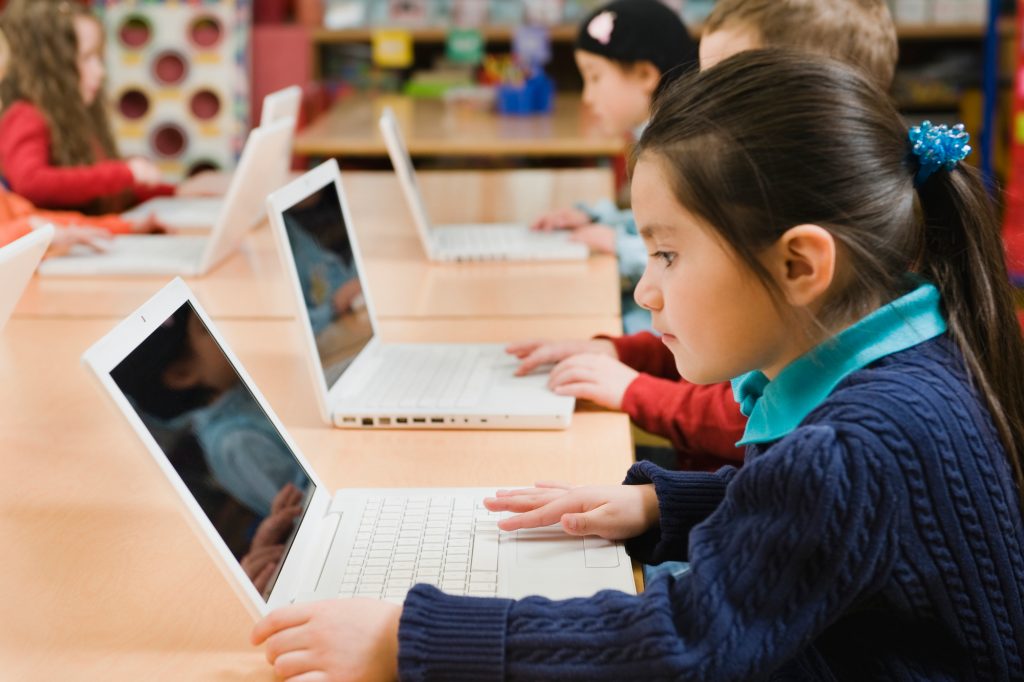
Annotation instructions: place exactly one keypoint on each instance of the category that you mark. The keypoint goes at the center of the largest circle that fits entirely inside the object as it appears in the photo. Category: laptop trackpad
(551, 544)
(548, 547)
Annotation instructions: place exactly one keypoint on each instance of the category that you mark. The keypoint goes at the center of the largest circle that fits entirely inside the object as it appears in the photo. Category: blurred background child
(625, 51)
(56, 145)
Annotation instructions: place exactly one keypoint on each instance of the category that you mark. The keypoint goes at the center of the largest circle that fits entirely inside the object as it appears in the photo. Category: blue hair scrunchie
(937, 147)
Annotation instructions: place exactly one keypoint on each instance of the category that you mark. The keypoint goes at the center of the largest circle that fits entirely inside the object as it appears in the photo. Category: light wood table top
(251, 283)
(105, 578)
(433, 128)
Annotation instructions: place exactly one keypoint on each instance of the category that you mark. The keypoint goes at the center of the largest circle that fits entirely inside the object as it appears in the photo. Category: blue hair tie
(937, 147)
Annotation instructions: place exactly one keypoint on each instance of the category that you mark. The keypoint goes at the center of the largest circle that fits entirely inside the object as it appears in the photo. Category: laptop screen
(220, 442)
(329, 279)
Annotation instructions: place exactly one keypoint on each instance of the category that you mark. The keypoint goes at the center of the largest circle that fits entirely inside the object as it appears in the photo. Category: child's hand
(149, 225)
(342, 640)
(205, 184)
(66, 238)
(599, 238)
(144, 171)
(537, 353)
(614, 512)
(561, 219)
(345, 296)
(594, 377)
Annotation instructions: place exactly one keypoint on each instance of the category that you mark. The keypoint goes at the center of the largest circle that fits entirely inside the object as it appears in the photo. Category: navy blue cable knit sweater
(880, 539)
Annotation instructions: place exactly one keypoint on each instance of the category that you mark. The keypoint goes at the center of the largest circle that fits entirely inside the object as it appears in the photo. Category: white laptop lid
(402, 161)
(313, 229)
(262, 168)
(281, 104)
(224, 451)
(18, 260)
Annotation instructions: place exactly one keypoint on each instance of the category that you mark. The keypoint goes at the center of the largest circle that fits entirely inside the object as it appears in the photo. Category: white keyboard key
(485, 553)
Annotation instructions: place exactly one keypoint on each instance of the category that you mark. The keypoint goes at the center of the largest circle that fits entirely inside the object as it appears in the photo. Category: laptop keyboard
(450, 542)
(477, 242)
(482, 240)
(159, 247)
(431, 377)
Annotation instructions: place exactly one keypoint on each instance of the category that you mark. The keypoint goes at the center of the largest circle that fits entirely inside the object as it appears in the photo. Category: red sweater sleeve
(703, 422)
(645, 352)
(27, 166)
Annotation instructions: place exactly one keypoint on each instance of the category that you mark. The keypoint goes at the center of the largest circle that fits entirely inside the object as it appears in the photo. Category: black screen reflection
(219, 440)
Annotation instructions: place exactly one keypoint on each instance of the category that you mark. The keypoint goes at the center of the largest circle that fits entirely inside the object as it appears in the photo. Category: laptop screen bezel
(280, 201)
(398, 152)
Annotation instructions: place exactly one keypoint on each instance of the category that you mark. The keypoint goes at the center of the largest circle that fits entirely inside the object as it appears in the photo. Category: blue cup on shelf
(514, 100)
(535, 95)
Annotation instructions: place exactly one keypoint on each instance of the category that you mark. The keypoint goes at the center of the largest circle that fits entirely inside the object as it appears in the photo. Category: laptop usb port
(437, 420)
(348, 420)
(384, 421)
(401, 420)
(419, 420)
(367, 421)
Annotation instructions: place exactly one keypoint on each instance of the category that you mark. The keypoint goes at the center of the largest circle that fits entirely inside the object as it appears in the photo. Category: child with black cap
(626, 51)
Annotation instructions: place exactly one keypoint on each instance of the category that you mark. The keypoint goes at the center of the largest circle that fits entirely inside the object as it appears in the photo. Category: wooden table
(251, 283)
(433, 128)
(105, 578)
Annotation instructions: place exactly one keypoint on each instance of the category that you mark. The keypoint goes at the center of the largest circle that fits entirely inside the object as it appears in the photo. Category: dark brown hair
(770, 139)
(859, 32)
(43, 70)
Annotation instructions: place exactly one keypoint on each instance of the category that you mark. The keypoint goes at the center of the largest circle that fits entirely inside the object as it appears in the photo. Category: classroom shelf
(567, 33)
(434, 34)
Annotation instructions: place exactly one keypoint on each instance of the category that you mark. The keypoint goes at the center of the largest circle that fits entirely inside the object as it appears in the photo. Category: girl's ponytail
(964, 257)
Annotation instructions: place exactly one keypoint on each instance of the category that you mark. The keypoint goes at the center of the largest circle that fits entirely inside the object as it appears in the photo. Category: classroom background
(487, 94)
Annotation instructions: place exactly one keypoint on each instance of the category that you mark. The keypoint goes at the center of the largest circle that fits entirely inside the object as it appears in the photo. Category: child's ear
(181, 375)
(647, 74)
(803, 261)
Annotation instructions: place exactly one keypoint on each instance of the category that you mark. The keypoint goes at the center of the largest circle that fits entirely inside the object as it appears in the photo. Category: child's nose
(646, 295)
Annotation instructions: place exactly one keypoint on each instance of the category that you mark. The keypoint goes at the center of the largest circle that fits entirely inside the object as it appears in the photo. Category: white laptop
(361, 381)
(472, 242)
(352, 542)
(18, 260)
(162, 254)
(281, 104)
(202, 213)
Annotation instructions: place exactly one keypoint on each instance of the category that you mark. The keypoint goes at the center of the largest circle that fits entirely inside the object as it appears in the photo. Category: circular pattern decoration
(133, 104)
(205, 105)
(169, 68)
(135, 32)
(205, 32)
(168, 140)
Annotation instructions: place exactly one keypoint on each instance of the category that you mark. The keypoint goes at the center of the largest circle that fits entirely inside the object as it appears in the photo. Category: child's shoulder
(918, 395)
(22, 113)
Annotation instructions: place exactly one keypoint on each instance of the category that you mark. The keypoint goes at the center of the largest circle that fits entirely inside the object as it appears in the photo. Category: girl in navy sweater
(848, 274)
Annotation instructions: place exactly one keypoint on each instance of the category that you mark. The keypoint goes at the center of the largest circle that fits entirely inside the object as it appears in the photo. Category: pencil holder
(534, 96)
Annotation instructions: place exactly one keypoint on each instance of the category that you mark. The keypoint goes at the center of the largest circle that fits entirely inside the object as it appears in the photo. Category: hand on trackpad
(552, 545)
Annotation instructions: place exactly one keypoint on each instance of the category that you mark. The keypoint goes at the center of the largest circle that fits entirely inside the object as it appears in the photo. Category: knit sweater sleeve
(28, 168)
(802, 533)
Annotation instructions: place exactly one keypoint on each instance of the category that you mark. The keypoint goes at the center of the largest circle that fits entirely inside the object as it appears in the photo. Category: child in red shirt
(56, 146)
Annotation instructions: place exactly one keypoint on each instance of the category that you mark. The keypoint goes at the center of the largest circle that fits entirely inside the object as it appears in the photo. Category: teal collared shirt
(776, 407)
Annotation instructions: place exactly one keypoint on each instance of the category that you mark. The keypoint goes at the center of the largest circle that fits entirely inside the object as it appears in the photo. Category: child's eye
(666, 257)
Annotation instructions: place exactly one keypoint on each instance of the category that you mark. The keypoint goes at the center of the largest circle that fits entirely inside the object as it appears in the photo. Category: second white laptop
(18, 260)
(276, 532)
(363, 382)
(202, 213)
(512, 242)
(193, 254)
